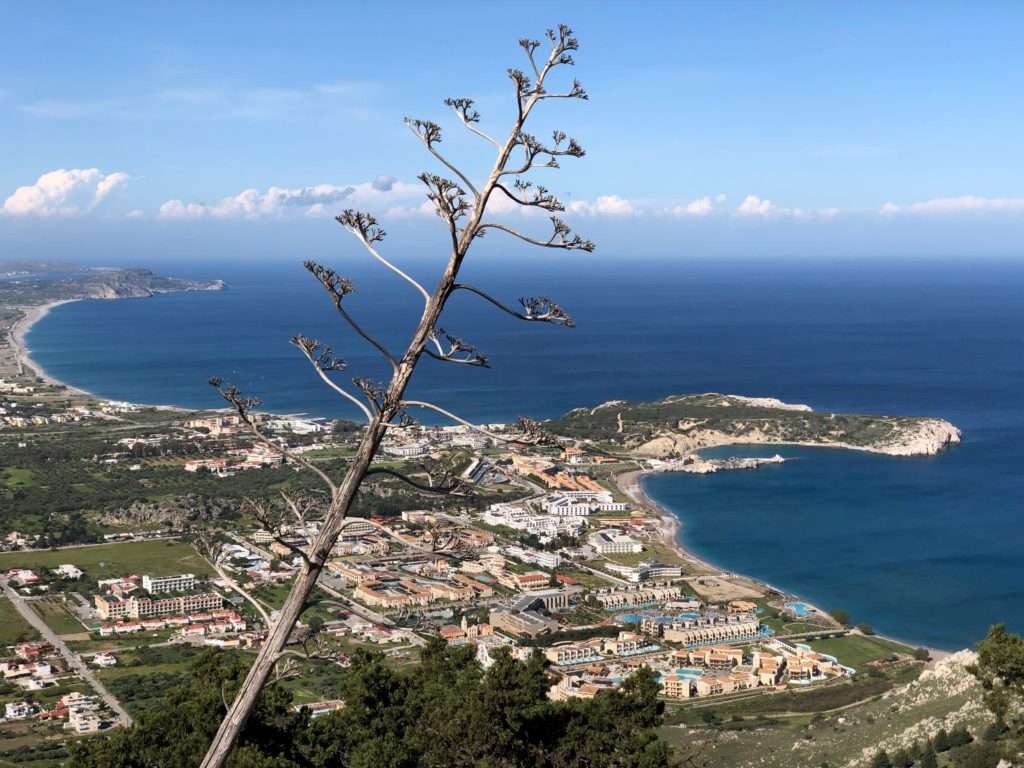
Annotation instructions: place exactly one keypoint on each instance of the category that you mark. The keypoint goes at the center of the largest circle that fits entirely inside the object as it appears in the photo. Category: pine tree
(929, 759)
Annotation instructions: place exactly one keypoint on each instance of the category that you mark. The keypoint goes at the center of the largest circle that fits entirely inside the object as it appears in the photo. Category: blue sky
(725, 128)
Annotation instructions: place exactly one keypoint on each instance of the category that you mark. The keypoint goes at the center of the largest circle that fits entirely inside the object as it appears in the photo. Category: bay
(925, 549)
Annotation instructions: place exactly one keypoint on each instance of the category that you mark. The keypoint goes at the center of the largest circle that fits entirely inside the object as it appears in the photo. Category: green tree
(960, 736)
(881, 760)
(866, 628)
(843, 617)
(901, 759)
(177, 734)
(929, 759)
(941, 741)
(1000, 669)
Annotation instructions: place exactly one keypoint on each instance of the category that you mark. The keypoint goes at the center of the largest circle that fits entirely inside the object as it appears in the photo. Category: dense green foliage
(61, 489)
(1000, 669)
(445, 711)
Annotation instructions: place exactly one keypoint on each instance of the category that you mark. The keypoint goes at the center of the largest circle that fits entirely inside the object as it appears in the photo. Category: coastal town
(555, 550)
(565, 564)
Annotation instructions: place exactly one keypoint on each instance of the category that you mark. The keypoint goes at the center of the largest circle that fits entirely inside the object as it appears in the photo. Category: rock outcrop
(175, 513)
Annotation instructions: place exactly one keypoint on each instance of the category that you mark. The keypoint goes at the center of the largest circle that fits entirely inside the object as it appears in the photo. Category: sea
(929, 550)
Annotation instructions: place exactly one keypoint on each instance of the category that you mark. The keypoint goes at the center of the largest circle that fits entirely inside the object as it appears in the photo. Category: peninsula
(675, 426)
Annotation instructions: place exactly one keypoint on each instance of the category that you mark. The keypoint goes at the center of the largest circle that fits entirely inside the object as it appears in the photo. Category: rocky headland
(676, 426)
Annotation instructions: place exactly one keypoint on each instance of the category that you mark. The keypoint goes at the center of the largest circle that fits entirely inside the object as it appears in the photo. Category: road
(73, 661)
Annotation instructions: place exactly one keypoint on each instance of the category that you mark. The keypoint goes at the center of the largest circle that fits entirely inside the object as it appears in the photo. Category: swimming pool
(799, 609)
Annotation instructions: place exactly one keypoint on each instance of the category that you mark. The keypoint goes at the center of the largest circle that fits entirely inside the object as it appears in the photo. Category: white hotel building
(154, 584)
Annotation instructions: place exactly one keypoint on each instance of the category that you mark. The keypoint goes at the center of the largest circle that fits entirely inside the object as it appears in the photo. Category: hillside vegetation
(678, 424)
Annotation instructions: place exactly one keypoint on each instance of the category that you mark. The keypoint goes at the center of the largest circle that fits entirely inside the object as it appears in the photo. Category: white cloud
(280, 201)
(426, 208)
(63, 192)
(700, 207)
(175, 209)
(136, 214)
(755, 206)
(720, 199)
(964, 204)
(605, 205)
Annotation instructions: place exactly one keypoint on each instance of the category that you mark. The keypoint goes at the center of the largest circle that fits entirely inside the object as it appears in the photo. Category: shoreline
(32, 314)
(670, 528)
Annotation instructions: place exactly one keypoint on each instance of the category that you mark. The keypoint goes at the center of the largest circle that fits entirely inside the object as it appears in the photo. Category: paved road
(73, 661)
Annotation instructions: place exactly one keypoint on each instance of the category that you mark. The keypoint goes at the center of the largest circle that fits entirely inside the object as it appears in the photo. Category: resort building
(481, 589)
(646, 569)
(581, 504)
(614, 542)
(113, 607)
(624, 597)
(353, 573)
(721, 658)
(393, 593)
(181, 583)
(535, 557)
(407, 450)
(523, 624)
(626, 643)
(575, 653)
(677, 686)
(737, 681)
(707, 628)
(527, 582)
(768, 668)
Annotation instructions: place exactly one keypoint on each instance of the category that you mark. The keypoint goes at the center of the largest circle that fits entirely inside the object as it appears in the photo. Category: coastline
(30, 316)
(631, 483)
(670, 527)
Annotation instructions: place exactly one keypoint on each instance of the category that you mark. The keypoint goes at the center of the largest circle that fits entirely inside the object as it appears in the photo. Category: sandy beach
(24, 361)
(18, 331)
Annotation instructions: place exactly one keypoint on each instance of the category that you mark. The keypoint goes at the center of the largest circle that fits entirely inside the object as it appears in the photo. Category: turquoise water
(799, 609)
(925, 549)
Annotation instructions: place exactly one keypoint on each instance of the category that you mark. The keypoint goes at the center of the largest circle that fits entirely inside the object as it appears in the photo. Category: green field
(158, 558)
(657, 550)
(855, 650)
(57, 616)
(13, 628)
